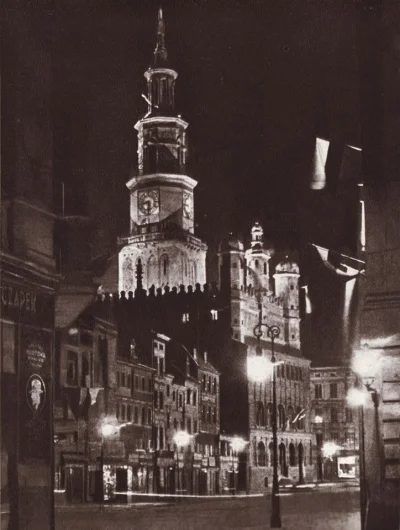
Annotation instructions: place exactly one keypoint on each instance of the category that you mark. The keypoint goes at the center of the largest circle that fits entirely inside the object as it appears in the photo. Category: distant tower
(286, 277)
(257, 260)
(231, 264)
(161, 194)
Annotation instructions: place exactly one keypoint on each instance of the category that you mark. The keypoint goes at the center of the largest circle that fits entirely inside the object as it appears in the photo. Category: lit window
(214, 314)
(185, 317)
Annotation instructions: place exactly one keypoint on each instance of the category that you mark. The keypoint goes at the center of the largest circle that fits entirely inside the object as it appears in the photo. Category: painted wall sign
(36, 393)
(19, 298)
(35, 355)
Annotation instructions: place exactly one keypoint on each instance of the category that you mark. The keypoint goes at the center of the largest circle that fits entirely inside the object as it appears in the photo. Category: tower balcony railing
(158, 232)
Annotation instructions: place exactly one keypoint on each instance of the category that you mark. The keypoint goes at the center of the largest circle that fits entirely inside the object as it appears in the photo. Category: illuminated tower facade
(161, 194)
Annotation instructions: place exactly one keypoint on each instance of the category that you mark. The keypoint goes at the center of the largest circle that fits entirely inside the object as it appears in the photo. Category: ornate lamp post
(182, 440)
(272, 332)
(237, 445)
(106, 430)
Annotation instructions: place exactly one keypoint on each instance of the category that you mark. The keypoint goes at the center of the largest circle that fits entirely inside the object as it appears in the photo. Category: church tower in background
(161, 194)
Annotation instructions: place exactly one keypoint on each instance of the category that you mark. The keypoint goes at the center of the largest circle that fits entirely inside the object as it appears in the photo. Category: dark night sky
(257, 81)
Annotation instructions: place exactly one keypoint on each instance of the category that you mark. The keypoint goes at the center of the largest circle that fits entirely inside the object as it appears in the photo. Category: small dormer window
(214, 314)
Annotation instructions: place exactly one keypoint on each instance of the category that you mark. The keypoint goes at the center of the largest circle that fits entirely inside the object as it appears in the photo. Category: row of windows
(286, 420)
(289, 371)
(125, 380)
(209, 384)
(134, 414)
(209, 414)
(333, 390)
(180, 425)
(263, 458)
(213, 315)
(334, 412)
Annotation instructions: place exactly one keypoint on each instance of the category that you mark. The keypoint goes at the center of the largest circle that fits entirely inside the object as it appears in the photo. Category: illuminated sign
(18, 298)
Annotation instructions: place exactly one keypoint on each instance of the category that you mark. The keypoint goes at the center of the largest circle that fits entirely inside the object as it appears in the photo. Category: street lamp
(237, 444)
(106, 430)
(181, 440)
(255, 363)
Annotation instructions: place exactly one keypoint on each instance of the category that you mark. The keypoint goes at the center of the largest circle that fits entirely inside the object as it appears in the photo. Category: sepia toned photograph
(200, 264)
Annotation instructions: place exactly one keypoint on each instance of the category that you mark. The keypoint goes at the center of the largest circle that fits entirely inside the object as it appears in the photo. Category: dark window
(155, 399)
(204, 382)
(188, 392)
(175, 424)
(150, 384)
(173, 395)
(149, 416)
(195, 427)
(128, 381)
(136, 419)
(161, 400)
(72, 368)
(265, 268)
(118, 379)
(117, 410)
(168, 390)
(260, 413)
(128, 413)
(333, 390)
(123, 411)
(214, 415)
(194, 397)
(180, 400)
(189, 426)
(334, 415)
(349, 415)
(143, 416)
(161, 437)
(168, 419)
(318, 391)
(123, 379)
(143, 383)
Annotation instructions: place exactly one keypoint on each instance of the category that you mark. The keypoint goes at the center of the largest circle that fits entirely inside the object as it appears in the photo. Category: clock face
(149, 202)
(187, 205)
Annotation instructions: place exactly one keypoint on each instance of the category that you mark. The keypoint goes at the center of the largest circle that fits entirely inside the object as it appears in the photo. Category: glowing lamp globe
(366, 363)
(107, 429)
(356, 397)
(259, 368)
(238, 444)
(182, 438)
(329, 449)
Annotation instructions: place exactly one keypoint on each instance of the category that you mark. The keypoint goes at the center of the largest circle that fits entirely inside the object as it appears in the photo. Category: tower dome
(230, 243)
(287, 266)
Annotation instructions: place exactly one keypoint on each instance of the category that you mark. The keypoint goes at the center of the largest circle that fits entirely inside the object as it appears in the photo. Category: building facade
(257, 292)
(335, 423)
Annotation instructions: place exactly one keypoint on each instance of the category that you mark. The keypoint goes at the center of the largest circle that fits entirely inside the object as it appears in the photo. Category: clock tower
(161, 192)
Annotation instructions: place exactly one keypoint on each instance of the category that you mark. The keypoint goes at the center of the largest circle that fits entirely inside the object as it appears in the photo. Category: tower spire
(160, 53)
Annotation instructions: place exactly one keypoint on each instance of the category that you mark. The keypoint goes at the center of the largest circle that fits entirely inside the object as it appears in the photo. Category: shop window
(7, 330)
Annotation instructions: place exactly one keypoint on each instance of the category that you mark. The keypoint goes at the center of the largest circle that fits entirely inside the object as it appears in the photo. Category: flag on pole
(307, 301)
(342, 265)
(300, 416)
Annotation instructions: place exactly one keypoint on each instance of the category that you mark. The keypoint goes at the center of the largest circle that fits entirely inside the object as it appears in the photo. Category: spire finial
(160, 53)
